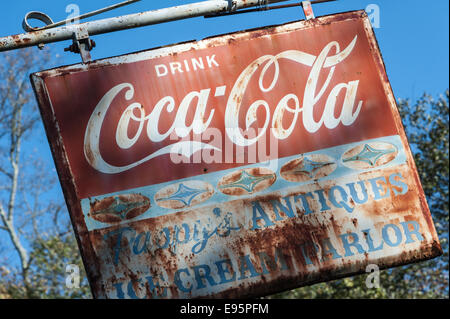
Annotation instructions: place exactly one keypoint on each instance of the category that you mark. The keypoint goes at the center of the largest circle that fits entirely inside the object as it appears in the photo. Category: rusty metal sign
(236, 166)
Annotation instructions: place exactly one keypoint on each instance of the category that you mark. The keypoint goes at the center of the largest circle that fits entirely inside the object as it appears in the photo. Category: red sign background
(74, 96)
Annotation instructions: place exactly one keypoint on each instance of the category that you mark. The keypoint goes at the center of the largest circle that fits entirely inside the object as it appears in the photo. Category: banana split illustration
(115, 209)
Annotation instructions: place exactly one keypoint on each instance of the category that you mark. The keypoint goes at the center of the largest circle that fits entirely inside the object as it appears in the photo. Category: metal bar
(283, 6)
(87, 15)
(127, 22)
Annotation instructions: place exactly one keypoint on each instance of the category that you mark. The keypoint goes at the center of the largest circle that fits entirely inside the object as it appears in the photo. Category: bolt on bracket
(82, 44)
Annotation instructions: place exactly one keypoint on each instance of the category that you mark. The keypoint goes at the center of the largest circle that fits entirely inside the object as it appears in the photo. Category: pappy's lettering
(197, 235)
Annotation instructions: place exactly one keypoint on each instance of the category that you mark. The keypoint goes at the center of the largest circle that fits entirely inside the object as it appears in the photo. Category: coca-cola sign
(238, 165)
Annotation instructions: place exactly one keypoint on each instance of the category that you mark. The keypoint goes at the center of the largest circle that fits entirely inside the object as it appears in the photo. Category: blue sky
(413, 35)
(413, 38)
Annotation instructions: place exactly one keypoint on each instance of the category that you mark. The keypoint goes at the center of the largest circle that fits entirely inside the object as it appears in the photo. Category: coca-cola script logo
(301, 112)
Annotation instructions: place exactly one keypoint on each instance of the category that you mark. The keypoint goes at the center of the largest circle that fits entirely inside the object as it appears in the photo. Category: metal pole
(28, 28)
(300, 4)
(128, 21)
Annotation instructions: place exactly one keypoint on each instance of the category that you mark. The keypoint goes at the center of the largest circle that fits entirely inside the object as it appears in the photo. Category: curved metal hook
(38, 16)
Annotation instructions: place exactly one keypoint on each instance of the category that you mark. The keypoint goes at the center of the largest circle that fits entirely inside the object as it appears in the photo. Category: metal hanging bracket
(307, 9)
(82, 44)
